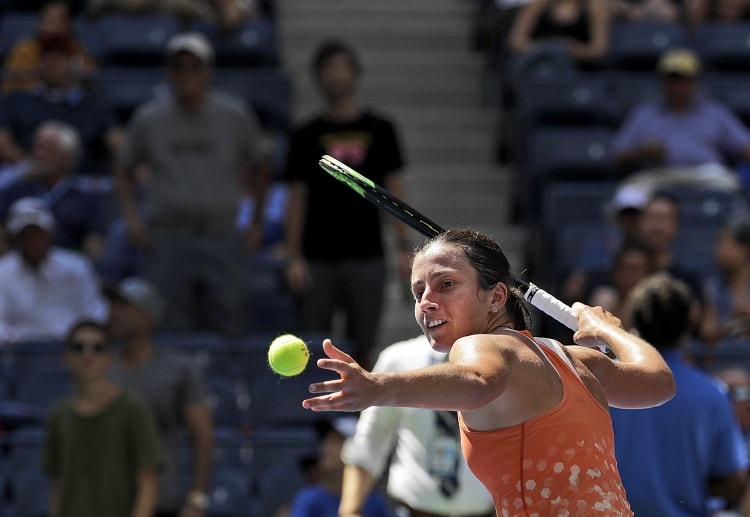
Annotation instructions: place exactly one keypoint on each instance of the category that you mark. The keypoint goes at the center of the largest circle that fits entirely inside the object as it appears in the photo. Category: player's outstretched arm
(638, 378)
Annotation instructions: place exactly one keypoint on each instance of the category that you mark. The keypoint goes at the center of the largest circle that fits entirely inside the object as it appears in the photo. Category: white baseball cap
(29, 211)
(193, 42)
(139, 293)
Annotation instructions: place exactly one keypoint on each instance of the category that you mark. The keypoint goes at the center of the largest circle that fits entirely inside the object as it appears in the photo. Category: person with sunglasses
(101, 446)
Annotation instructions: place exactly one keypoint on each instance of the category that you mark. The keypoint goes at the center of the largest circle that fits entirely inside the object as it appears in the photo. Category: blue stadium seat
(723, 46)
(28, 485)
(252, 44)
(628, 90)
(268, 91)
(208, 351)
(636, 46)
(730, 89)
(131, 40)
(278, 475)
(14, 26)
(126, 87)
(43, 389)
(230, 492)
(569, 101)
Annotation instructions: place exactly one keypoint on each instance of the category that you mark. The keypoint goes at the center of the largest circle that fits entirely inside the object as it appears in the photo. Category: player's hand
(593, 324)
(353, 391)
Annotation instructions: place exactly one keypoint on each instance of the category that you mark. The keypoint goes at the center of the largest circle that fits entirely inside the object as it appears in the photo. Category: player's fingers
(331, 402)
(334, 353)
(326, 386)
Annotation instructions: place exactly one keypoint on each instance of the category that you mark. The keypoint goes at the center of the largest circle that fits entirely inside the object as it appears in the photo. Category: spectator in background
(226, 14)
(598, 252)
(665, 11)
(329, 272)
(48, 174)
(44, 289)
(58, 95)
(690, 448)
(682, 138)
(101, 447)
(323, 497)
(725, 11)
(204, 151)
(418, 451)
(173, 389)
(737, 380)
(22, 61)
(632, 263)
(573, 31)
(727, 295)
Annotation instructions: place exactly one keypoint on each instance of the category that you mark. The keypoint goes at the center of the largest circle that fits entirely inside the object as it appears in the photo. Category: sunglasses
(81, 347)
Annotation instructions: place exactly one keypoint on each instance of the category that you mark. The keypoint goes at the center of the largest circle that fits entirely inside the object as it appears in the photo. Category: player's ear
(499, 294)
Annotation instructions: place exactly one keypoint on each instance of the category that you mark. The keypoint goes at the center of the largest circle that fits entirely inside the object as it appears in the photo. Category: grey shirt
(194, 158)
(170, 384)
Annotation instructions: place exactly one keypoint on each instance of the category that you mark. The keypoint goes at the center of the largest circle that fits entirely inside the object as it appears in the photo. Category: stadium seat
(252, 44)
(43, 389)
(28, 486)
(628, 90)
(636, 46)
(230, 492)
(730, 89)
(131, 40)
(14, 26)
(723, 46)
(278, 454)
(229, 398)
(570, 101)
(208, 351)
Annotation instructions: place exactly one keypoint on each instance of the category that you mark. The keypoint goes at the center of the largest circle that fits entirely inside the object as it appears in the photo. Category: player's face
(449, 302)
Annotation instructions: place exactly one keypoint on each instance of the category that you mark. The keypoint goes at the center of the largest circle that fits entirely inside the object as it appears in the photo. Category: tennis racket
(379, 196)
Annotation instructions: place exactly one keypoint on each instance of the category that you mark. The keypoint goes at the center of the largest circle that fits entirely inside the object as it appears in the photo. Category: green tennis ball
(288, 355)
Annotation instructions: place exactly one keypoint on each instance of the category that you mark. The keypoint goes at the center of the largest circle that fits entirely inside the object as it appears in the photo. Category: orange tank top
(559, 463)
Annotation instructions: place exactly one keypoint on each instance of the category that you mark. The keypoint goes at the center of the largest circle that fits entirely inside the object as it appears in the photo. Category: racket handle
(551, 306)
(556, 309)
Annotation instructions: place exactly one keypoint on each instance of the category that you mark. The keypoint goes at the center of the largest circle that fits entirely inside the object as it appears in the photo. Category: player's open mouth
(434, 323)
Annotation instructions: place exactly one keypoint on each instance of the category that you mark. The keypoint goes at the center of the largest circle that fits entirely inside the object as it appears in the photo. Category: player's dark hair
(660, 307)
(330, 48)
(492, 267)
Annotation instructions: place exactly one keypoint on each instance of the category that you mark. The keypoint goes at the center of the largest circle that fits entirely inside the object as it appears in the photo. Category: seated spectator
(101, 446)
(44, 289)
(682, 138)
(323, 497)
(561, 30)
(632, 263)
(48, 174)
(737, 380)
(227, 14)
(597, 253)
(58, 95)
(667, 11)
(727, 305)
(727, 11)
(22, 62)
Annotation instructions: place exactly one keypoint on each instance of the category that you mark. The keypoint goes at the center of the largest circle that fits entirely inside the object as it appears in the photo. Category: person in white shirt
(427, 474)
(44, 289)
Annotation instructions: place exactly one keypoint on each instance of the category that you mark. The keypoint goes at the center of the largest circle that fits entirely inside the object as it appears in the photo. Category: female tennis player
(533, 414)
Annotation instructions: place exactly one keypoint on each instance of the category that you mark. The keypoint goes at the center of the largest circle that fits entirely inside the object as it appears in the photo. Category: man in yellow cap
(681, 137)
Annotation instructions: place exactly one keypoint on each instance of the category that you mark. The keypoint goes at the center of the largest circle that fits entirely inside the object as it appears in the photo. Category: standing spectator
(203, 149)
(58, 95)
(48, 174)
(690, 448)
(727, 305)
(417, 450)
(101, 447)
(174, 390)
(44, 289)
(322, 498)
(329, 273)
(22, 62)
(682, 137)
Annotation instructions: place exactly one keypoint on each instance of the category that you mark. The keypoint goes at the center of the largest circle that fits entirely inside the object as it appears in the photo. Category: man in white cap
(173, 388)
(44, 289)
(203, 152)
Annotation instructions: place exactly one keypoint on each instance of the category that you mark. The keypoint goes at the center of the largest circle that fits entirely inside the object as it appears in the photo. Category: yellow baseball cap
(679, 61)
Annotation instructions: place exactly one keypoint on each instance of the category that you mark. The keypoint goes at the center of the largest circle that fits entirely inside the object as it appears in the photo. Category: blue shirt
(314, 501)
(667, 454)
(706, 133)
